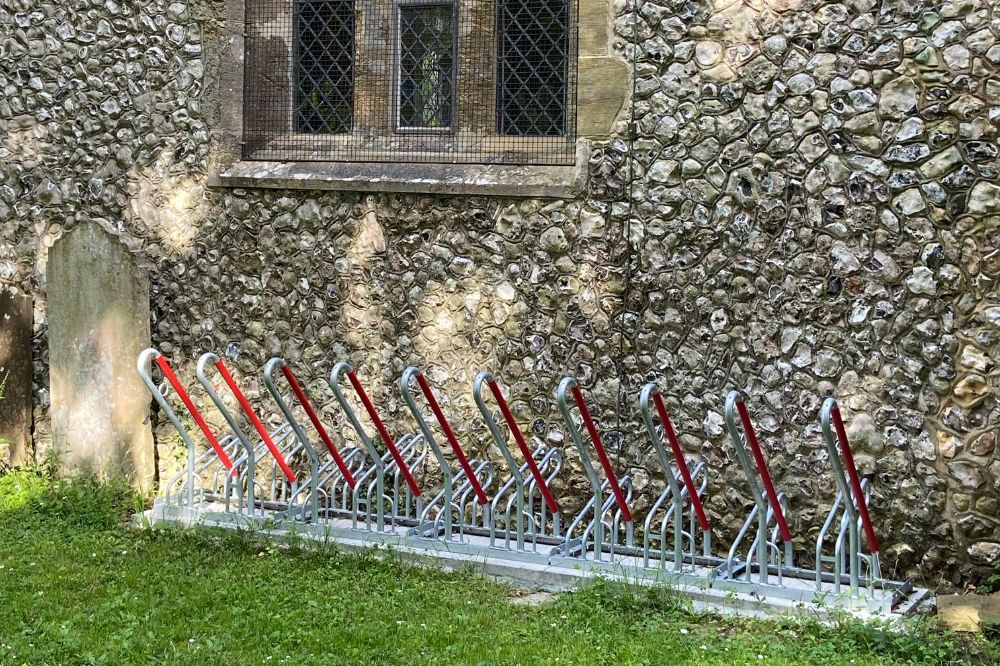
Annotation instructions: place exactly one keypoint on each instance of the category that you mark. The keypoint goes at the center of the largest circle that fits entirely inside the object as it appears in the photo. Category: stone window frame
(603, 79)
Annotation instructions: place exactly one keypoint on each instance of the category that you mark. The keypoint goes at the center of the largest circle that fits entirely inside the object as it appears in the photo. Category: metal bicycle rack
(363, 489)
(374, 469)
(526, 502)
(764, 555)
(684, 487)
(276, 487)
(769, 568)
(586, 534)
(213, 463)
(461, 491)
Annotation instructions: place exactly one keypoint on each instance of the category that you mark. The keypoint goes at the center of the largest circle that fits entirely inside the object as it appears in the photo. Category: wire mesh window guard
(533, 67)
(324, 66)
(455, 81)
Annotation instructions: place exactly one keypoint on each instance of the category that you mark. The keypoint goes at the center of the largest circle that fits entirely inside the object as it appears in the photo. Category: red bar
(521, 444)
(168, 372)
(455, 446)
(384, 434)
(304, 401)
(675, 445)
(595, 437)
(261, 430)
(765, 476)
(852, 471)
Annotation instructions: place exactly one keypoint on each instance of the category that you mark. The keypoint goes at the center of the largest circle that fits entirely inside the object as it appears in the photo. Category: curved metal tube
(733, 401)
(409, 375)
(339, 369)
(142, 365)
(313, 499)
(850, 488)
(248, 448)
(645, 408)
(517, 471)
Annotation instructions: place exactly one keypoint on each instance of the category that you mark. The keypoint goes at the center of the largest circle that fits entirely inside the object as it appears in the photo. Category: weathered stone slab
(603, 85)
(15, 378)
(969, 612)
(98, 317)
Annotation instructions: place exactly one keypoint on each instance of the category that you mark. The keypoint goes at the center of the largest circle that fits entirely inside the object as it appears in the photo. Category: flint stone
(553, 241)
(98, 323)
(957, 57)
(984, 444)
(969, 475)
(971, 389)
(922, 281)
(941, 163)
(910, 203)
(975, 359)
(899, 98)
(985, 552)
(984, 199)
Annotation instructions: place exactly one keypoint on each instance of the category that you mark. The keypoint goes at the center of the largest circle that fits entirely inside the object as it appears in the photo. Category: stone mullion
(374, 69)
(476, 81)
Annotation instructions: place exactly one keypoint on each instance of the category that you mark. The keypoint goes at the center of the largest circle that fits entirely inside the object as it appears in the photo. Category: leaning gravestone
(15, 377)
(98, 323)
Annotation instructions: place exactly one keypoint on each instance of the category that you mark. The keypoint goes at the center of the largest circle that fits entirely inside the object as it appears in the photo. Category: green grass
(79, 587)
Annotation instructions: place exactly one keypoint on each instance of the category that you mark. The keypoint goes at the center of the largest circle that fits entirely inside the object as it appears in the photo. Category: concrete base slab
(540, 570)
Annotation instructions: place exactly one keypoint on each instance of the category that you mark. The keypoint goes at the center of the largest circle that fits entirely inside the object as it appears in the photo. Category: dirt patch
(530, 597)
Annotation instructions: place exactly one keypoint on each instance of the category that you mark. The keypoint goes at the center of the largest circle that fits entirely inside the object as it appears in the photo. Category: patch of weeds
(20, 488)
(85, 501)
(990, 583)
(631, 601)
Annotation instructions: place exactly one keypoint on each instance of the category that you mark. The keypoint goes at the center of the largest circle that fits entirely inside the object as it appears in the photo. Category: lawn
(77, 586)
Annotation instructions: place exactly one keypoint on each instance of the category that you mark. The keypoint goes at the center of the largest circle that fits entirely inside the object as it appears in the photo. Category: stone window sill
(556, 182)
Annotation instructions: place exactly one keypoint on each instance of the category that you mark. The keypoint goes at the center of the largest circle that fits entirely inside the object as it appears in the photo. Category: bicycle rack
(674, 493)
(591, 533)
(291, 421)
(472, 478)
(284, 488)
(764, 553)
(851, 503)
(521, 493)
(399, 460)
(365, 492)
(215, 462)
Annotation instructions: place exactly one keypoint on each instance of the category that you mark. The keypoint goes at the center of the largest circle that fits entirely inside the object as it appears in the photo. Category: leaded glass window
(324, 66)
(533, 67)
(426, 65)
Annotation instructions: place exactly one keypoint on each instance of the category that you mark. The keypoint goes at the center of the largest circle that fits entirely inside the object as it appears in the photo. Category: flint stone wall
(812, 206)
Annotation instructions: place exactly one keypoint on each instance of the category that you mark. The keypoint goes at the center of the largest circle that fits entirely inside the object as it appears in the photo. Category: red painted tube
(450, 436)
(168, 372)
(384, 434)
(311, 413)
(765, 476)
(675, 446)
(521, 444)
(852, 472)
(602, 455)
(261, 430)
